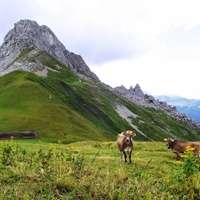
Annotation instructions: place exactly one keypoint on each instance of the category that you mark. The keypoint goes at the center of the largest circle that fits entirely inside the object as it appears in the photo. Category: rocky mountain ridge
(137, 96)
(28, 34)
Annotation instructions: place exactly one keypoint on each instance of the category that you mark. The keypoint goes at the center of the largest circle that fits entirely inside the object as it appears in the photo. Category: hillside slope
(25, 105)
(80, 109)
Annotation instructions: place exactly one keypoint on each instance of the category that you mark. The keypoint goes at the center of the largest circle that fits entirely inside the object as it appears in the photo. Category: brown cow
(125, 144)
(179, 146)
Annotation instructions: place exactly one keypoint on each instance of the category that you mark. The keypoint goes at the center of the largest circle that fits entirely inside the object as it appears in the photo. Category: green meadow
(35, 169)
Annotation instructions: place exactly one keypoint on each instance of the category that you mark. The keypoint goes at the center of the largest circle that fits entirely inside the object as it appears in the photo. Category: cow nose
(127, 140)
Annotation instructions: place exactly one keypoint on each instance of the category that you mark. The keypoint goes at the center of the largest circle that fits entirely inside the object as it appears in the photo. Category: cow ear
(165, 139)
(124, 133)
(172, 140)
(133, 134)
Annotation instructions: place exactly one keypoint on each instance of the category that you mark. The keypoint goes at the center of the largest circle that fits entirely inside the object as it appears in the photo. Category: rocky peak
(132, 93)
(136, 91)
(137, 96)
(28, 34)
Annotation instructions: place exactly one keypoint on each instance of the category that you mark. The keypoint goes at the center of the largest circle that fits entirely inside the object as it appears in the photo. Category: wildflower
(183, 156)
(136, 153)
(178, 162)
(71, 148)
(42, 171)
(189, 149)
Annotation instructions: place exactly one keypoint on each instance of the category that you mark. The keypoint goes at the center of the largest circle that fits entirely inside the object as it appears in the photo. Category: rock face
(28, 34)
(137, 96)
(132, 93)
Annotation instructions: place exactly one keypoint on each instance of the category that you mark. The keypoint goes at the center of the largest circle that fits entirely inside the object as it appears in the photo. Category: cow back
(181, 145)
(120, 141)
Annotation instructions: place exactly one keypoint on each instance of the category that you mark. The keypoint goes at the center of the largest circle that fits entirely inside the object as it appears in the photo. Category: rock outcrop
(28, 34)
(137, 96)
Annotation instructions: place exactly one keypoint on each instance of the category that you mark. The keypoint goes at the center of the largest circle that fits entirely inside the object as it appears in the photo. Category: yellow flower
(183, 156)
(189, 149)
(42, 171)
(71, 148)
(178, 162)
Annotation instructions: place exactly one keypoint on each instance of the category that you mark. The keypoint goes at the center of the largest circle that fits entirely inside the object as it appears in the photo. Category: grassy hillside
(80, 109)
(25, 105)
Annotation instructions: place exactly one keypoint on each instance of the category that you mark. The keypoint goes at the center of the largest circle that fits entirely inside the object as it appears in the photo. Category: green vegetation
(32, 169)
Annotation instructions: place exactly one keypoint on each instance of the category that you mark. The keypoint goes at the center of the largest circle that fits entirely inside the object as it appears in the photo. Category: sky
(155, 44)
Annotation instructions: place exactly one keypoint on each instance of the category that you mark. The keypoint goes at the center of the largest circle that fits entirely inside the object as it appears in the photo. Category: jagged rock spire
(135, 92)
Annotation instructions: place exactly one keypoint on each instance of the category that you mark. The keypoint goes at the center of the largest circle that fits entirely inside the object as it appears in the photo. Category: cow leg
(124, 156)
(196, 153)
(178, 156)
(121, 154)
(130, 157)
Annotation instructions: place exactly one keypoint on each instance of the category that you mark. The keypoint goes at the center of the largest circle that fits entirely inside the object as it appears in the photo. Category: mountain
(50, 91)
(137, 96)
(28, 35)
(190, 107)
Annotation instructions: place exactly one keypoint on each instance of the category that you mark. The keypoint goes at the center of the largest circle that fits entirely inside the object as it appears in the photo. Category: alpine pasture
(35, 169)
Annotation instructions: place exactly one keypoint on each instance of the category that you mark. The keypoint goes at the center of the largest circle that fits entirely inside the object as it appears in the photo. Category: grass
(25, 105)
(33, 169)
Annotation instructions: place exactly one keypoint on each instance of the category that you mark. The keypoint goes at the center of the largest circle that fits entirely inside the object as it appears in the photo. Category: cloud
(100, 31)
(102, 46)
(182, 43)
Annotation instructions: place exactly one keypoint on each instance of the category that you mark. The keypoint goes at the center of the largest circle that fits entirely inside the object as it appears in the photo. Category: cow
(125, 144)
(179, 146)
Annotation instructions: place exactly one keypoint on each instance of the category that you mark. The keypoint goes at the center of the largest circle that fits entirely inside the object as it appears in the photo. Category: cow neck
(172, 144)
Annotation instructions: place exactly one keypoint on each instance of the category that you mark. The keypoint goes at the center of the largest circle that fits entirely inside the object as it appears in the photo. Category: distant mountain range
(189, 107)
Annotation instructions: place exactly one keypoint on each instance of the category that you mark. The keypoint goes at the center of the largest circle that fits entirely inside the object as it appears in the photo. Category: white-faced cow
(179, 146)
(125, 144)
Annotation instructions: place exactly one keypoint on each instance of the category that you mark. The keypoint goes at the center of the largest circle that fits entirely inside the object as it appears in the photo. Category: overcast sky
(124, 42)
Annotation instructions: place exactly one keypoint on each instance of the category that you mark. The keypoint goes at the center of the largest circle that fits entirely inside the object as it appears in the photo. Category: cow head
(128, 135)
(169, 142)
